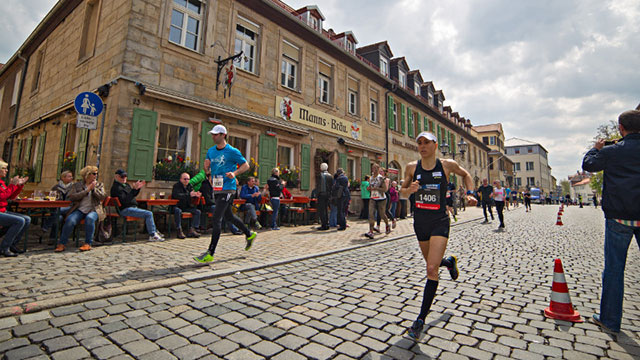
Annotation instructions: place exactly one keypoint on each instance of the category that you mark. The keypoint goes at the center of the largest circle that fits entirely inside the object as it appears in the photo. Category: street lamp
(462, 145)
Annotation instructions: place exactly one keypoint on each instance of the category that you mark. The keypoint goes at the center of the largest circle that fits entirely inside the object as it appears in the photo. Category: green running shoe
(206, 257)
(453, 271)
(250, 239)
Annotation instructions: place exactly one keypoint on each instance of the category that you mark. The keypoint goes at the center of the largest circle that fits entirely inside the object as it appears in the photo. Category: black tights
(223, 209)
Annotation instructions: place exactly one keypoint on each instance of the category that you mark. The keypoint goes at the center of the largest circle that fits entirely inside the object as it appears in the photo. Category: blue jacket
(621, 180)
(246, 192)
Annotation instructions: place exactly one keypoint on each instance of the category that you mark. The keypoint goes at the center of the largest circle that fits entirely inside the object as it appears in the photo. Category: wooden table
(35, 205)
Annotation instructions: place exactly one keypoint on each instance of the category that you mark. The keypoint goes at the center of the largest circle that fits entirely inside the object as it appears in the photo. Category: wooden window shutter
(82, 151)
(27, 151)
(324, 68)
(402, 125)
(365, 167)
(343, 162)
(63, 141)
(409, 122)
(290, 51)
(390, 114)
(206, 141)
(305, 165)
(38, 170)
(267, 151)
(18, 152)
(142, 145)
(352, 84)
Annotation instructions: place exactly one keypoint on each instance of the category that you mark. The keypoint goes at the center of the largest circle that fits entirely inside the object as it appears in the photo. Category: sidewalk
(43, 279)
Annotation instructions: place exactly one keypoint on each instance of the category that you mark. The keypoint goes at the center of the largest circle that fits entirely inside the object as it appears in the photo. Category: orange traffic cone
(561, 307)
(559, 221)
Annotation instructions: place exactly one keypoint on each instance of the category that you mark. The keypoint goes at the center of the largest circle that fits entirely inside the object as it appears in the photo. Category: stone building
(296, 96)
(499, 165)
(531, 164)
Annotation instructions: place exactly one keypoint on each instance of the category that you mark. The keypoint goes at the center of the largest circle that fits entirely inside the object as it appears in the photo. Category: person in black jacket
(183, 192)
(324, 184)
(126, 194)
(485, 191)
(340, 193)
(274, 187)
(621, 205)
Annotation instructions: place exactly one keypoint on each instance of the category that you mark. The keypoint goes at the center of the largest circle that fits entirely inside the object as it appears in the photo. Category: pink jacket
(8, 192)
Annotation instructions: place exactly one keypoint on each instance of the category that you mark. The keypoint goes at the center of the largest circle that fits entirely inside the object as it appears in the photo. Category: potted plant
(290, 175)
(253, 171)
(169, 169)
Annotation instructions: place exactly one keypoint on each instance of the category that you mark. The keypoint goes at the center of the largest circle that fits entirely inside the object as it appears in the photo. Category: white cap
(427, 135)
(218, 129)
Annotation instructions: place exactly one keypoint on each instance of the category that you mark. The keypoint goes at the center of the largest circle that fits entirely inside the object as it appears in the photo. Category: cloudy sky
(550, 71)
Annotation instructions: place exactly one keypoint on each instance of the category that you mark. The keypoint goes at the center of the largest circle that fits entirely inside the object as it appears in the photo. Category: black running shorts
(425, 229)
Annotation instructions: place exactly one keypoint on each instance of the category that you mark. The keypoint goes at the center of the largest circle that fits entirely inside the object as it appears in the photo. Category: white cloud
(17, 20)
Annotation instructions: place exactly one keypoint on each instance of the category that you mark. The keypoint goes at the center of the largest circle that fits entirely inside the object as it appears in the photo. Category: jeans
(323, 203)
(394, 207)
(17, 224)
(141, 213)
(249, 213)
(51, 223)
(275, 205)
(333, 216)
(341, 209)
(177, 215)
(617, 238)
(73, 219)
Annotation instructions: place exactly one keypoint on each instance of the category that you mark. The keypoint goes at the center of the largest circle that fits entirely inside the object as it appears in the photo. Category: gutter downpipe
(15, 116)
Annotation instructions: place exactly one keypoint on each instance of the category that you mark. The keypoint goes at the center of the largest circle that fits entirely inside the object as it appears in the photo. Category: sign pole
(104, 113)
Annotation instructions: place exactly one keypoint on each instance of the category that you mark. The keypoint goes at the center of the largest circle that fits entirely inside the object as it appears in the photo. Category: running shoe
(250, 239)
(376, 229)
(387, 229)
(393, 224)
(453, 270)
(156, 237)
(369, 235)
(206, 257)
(416, 329)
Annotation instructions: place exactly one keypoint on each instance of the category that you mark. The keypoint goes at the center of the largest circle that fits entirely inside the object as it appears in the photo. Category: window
(38, 71)
(516, 166)
(485, 140)
(475, 156)
(247, 41)
(289, 69)
(324, 89)
(324, 82)
(241, 144)
(173, 140)
(531, 181)
(285, 156)
(402, 79)
(529, 149)
(351, 169)
(430, 96)
(186, 20)
(384, 66)
(350, 46)
(16, 86)
(518, 181)
(529, 165)
(353, 86)
(490, 163)
(89, 30)
(517, 151)
(492, 140)
(395, 116)
(416, 88)
(1, 96)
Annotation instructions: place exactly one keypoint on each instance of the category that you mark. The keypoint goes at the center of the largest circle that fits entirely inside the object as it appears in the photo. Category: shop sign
(292, 111)
(405, 144)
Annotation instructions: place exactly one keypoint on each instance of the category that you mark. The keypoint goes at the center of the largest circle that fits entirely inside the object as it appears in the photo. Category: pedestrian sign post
(88, 106)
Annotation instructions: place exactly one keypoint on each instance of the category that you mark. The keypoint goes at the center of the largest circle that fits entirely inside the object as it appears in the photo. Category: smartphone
(610, 142)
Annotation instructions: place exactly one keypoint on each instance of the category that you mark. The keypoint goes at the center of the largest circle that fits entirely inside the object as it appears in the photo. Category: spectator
(621, 205)
(126, 194)
(365, 195)
(340, 193)
(251, 193)
(274, 187)
(185, 194)
(16, 223)
(324, 184)
(394, 197)
(62, 189)
(485, 191)
(86, 203)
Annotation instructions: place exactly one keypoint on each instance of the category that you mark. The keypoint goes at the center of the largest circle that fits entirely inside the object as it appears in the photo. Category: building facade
(290, 93)
(499, 165)
(531, 164)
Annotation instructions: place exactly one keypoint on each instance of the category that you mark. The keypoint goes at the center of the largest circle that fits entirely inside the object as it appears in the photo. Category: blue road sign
(88, 103)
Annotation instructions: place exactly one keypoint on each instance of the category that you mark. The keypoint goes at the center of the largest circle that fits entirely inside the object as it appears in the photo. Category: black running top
(431, 196)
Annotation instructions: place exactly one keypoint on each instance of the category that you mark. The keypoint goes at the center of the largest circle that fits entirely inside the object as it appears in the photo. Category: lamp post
(462, 145)
(514, 179)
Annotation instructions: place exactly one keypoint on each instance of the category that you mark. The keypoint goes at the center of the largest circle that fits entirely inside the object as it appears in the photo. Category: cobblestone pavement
(358, 303)
(45, 275)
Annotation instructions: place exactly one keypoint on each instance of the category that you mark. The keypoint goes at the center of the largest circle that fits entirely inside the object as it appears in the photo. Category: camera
(610, 142)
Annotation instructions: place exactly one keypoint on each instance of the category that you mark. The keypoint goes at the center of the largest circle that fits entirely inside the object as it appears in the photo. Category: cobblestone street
(350, 304)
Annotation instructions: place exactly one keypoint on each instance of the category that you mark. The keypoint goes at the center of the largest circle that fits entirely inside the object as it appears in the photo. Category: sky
(550, 71)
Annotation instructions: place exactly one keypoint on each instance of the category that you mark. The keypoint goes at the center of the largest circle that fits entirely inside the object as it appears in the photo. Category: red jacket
(8, 192)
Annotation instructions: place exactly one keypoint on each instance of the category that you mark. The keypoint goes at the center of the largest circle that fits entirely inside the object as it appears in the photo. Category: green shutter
(453, 143)
(305, 165)
(409, 122)
(438, 134)
(365, 167)
(142, 145)
(27, 151)
(82, 151)
(38, 170)
(267, 151)
(426, 124)
(343, 162)
(419, 126)
(390, 121)
(431, 126)
(18, 152)
(206, 141)
(402, 125)
(383, 164)
(63, 142)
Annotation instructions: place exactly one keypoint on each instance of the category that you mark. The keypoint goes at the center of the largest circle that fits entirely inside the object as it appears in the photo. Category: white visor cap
(218, 129)
(427, 135)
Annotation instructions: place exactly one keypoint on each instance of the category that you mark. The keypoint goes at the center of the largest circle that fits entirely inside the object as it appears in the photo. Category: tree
(596, 183)
(608, 131)
(566, 187)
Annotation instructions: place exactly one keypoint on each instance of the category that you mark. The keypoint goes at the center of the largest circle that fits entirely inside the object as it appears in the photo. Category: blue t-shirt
(508, 190)
(223, 161)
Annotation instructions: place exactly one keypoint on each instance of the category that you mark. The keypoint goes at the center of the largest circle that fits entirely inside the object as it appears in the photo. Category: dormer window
(416, 88)
(384, 66)
(430, 95)
(350, 46)
(402, 79)
(313, 22)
